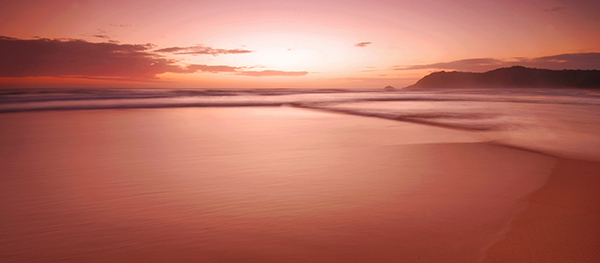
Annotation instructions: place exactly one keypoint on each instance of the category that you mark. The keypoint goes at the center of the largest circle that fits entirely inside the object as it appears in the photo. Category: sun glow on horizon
(274, 49)
(287, 58)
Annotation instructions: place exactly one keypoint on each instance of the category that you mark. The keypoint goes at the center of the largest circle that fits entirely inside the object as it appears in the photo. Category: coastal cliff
(513, 77)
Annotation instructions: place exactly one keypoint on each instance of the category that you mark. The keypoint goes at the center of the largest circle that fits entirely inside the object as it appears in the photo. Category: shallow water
(264, 184)
(561, 122)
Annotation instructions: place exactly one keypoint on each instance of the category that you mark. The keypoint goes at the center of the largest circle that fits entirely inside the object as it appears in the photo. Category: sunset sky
(285, 44)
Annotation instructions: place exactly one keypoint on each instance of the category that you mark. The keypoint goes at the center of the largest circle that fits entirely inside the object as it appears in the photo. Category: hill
(513, 77)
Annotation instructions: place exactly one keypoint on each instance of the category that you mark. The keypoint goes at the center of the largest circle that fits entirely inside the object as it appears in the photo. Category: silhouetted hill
(513, 77)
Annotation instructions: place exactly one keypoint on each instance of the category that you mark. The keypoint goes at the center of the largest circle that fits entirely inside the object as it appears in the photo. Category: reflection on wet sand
(272, 185)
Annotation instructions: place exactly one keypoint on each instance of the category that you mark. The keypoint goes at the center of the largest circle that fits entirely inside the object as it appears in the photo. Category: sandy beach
(281, 184)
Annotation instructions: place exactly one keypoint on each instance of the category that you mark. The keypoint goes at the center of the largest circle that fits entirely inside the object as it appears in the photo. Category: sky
(285, 44)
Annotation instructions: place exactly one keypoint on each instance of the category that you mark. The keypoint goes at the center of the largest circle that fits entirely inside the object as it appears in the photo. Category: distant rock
(389, 88)
(513, 77)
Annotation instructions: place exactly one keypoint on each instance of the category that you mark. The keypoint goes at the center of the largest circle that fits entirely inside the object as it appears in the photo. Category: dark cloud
(201, 50)
(73, 58)
(362, 44)
(557, 62)
(271, 73)
(78, 58)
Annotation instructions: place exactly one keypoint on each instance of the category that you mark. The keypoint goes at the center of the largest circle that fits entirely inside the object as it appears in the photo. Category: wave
(77, 99)
(454, 120)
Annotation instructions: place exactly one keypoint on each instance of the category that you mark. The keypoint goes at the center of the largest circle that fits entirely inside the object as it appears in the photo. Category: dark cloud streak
(119, 25)
(476, 64)
(556, 62)
(555, 9)
(362, 44)
(101, 36)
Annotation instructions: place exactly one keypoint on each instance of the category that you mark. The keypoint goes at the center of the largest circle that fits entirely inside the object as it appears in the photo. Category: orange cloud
(206, 68)
(271, 73)
(201, 50)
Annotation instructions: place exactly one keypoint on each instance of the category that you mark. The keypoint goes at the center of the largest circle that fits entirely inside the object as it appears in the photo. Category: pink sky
(278, 44)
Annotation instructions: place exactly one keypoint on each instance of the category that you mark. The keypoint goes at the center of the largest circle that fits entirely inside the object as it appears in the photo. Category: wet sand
(562, 219)
(281, 185)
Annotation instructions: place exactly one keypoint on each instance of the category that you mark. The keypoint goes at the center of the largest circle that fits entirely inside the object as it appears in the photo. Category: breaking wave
(477, 110)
